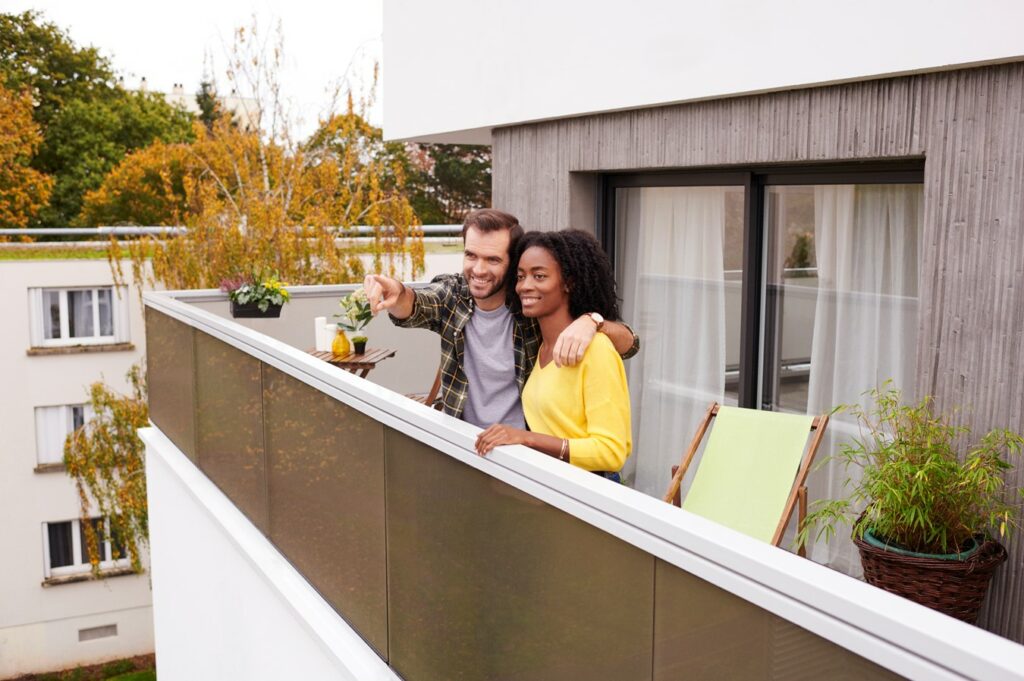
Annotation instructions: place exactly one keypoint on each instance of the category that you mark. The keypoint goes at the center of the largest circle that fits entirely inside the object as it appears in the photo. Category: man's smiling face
(485, 262)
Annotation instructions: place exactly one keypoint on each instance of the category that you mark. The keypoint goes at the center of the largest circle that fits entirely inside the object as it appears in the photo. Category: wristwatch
(598, 319)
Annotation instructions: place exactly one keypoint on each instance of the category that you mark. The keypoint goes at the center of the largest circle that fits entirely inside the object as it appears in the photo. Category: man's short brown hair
(491, 220)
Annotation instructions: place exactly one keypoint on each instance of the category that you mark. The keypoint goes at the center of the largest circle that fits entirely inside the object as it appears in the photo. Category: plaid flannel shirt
(445, 306)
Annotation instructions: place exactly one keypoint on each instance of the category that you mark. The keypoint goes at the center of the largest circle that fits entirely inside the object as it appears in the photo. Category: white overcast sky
(166, 41)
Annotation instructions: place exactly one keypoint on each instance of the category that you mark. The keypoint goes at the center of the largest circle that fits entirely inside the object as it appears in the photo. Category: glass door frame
(753, 179)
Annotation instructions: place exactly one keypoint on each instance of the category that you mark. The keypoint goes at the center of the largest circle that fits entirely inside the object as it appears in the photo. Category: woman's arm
(500, 434)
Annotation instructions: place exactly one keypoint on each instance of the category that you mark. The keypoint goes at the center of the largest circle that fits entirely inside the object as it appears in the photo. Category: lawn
(135, 676)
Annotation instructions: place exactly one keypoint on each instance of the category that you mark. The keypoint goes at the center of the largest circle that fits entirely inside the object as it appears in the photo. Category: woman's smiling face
(539, 283)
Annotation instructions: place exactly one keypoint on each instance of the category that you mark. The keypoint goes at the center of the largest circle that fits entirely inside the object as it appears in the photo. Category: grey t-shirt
(490, 366)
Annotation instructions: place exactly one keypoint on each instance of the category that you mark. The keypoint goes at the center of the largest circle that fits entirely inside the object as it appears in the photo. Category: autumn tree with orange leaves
(24, 191)
(257, 200)
(106, 459)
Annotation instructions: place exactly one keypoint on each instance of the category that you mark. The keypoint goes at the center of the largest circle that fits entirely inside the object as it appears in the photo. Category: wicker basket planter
(954, 587)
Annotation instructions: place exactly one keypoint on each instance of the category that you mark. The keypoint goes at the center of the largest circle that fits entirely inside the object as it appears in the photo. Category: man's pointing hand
(382, 292)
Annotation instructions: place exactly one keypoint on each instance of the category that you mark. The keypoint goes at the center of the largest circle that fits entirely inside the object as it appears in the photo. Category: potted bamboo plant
(925, 520)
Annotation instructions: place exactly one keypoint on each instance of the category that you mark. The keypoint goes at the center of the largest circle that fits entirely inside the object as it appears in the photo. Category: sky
(167, 42)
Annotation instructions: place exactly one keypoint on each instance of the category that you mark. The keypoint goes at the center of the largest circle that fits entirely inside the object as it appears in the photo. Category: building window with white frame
(65, 549)
(53, 425)
(78, 316)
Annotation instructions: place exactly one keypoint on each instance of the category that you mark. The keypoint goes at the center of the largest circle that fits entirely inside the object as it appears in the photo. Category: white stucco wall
(39, 625)
(227, 604)
(456, 68)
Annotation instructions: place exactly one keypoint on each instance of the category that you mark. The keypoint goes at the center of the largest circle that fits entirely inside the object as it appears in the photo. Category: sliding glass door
(792, 293)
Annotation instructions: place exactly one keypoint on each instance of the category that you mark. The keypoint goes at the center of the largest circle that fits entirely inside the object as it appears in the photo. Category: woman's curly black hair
(586, 269)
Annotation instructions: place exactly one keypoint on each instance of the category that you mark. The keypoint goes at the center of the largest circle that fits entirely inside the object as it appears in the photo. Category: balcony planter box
(253, 310)
(953, 584)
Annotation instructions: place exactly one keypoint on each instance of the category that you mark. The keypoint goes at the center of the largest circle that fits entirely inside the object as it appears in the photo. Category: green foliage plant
(914, 490)
(355, 311)
(106, 459)
(263, 290)
(800, 258)
(117, 668)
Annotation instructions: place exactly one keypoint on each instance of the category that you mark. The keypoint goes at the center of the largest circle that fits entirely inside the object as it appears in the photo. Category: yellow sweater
(588, 404)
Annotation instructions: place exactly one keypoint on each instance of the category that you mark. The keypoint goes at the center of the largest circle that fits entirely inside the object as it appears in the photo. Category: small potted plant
(355, 314)
(255, 295)
(924, 520)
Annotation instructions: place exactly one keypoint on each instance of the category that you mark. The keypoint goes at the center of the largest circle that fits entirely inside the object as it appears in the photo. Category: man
(487, 351)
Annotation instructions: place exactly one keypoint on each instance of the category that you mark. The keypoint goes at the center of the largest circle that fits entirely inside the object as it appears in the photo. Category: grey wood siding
(969, 127)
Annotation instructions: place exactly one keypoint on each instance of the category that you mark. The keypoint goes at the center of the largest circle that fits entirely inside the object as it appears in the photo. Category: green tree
(88, 121)
(38, 56)
(85, 140)
(446, 181)
(210, 109)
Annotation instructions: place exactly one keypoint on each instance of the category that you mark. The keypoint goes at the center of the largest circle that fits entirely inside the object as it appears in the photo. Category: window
(65, 552)
(78, 316)
(783, 290)
(789, 289)
(53, 425)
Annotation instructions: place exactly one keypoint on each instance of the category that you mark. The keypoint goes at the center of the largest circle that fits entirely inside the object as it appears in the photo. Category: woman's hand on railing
(499, 434)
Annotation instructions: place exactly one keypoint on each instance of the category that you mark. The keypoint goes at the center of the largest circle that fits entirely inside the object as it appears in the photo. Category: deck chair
(430, 398)
(753, 470)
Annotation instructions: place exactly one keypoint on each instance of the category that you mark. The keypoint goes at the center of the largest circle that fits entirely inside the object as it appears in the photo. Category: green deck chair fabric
(747, 470)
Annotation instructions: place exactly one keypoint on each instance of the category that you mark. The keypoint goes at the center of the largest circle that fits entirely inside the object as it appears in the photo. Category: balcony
(310, 524)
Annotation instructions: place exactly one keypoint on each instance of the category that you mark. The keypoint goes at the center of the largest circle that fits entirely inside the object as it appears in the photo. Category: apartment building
(800, 201)
(67, 325)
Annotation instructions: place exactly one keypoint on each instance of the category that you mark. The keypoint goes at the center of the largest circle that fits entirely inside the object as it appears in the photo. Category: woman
(576, 414)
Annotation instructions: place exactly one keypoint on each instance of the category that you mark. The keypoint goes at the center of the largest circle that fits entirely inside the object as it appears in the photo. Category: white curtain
(670, 244)
(51, 429)
(49, 315)
(121, 313)
(80, 310)
(105, 312)
(865, 324)
(53, 425)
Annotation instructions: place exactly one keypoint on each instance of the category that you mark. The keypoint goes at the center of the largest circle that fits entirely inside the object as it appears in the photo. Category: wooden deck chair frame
(430, 398)
(797, 495)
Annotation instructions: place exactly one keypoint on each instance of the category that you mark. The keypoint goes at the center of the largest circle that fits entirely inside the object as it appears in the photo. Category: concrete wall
(241, 611)
(968, 125)
(39, 625)
(506, 63)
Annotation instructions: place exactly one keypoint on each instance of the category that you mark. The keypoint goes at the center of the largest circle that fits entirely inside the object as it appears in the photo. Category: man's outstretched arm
(385, 293)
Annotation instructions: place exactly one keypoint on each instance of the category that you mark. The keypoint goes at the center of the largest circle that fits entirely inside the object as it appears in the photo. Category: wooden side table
(360, 365)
